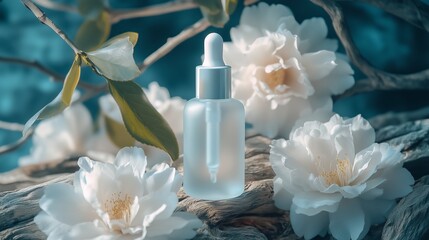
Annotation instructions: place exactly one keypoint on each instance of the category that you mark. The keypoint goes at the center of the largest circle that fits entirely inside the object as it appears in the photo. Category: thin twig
(172, 42)
(48, 22)
(157, 9)
(34, 64)
(56, 6)
(18, 128)
(377, 79)
(55, 76)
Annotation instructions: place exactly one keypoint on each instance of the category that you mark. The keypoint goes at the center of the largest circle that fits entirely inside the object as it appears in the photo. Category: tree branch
(377, 79)
(396, 118)
(56, 6)
(171, 43)
(158, 9)
(34, 64)
(48, 22)
(55, 76)
(14, 127)
(413, 11)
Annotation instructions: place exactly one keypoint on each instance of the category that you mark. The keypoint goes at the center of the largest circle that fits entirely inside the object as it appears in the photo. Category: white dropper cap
(213, 77)
(213, 51)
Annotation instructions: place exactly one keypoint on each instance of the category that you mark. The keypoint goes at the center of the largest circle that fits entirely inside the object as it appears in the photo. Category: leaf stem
(173, 42)
(45, 20)
(157, 9)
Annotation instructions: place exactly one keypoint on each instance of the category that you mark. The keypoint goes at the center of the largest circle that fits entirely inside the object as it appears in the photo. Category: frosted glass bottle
(213, 131)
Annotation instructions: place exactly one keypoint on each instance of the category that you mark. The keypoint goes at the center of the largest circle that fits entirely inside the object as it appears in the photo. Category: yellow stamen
(340, 175)
(280, 77)
(119, 207)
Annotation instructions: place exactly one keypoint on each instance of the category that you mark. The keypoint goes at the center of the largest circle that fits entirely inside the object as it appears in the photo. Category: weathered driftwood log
(249, 216)
(410, 220)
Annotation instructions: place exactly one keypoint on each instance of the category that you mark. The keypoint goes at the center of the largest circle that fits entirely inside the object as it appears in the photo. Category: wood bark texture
(252, 215)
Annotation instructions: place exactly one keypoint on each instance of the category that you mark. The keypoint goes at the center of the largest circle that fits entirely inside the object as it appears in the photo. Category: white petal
(366, 163)
(161, 178)
(282, 198)
(352, 191)
(49, 225)
(318, 64)
(344, 143)
(155, 206)
(61, 136)
(339, 79)
(242, 90)
(312, 203)
(56, 201)
(116, 61)
(134, 157)
(278, 122)
(320, 146)
(97, 181)
(88, 230)
(110, 108)
(312, 32)
(309, 226)
(156, 156)
(363, 133)
(233, 56)
(391, 156)
(398, 183)
(377, 210)
(291, 154)
(348, 221)
(182, 224)
(254, 23)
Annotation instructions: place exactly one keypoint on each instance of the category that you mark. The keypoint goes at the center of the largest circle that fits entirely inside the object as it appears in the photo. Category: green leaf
(62, 100)
(117, 133)
(132, 37)
(90, 9)
(229, 6)
(71, 81)
(115, 61)
(213, 11)
(93, 32)
(141, 119)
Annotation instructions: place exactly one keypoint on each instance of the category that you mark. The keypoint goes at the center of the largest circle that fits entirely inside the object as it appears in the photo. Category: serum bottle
(213, 131)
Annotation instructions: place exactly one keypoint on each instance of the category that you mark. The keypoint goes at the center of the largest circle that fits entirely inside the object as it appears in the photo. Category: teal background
(386, 41)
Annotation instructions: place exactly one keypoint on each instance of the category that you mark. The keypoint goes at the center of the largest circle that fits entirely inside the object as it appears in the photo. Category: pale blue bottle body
(214, 135)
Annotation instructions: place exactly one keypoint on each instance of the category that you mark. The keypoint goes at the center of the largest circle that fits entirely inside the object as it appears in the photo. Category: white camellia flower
(333, 177)
(116, 201)
(284, 71)
(61, 136)
(171, 108)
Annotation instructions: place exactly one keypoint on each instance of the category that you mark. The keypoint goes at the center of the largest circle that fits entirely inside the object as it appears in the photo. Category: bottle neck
(213, 82)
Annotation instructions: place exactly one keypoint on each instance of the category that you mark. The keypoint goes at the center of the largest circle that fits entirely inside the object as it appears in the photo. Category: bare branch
(171, 43)
(158, 9)
(56, 6)
(48, 22)
(14, 127)
(396, 118)
(55, 76)
(377, 79)
(413, 11)
(33, 64)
